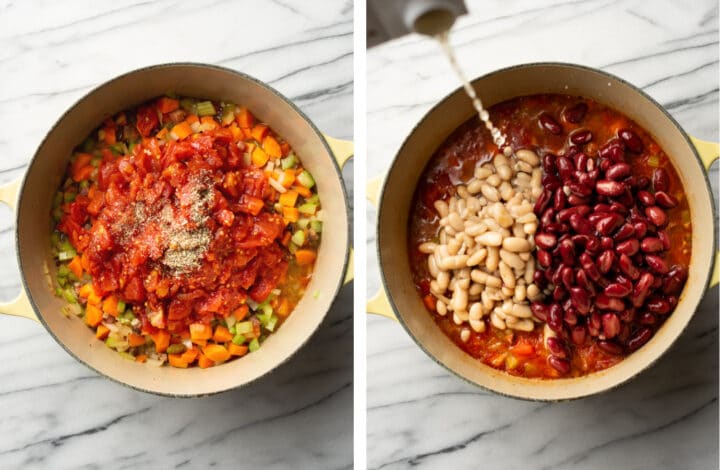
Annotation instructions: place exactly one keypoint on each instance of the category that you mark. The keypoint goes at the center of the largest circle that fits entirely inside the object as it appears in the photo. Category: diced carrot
(190, 355)
(94, 299)
(76, 267)
(93, 315)
(302, 190)
(241, 312)
(285, 147)
(208, 123)
(161, 340)
(222, 335)
(85, 290)
(284, 308)
(135, 340)
(523, 348)
(305, 257)
(181, 130)
(216, 353)
(192, 119)
(245, 118)
(85, 261)
(110, 305)
(288, 198)
(291, 214)
(97, 199)
(162, 134)
(259, 132)
(175, 360)
(237, 350)
(141, 358)
(430, 302)
(259, 157)
(204, 362)
(286, 238)
(271, 146)
(102, 331)
(81, 160)
(200, 342)
(200, 331)
(287, 178)
(82, 173)
(109, 136)
(236, 132)
(167, 105)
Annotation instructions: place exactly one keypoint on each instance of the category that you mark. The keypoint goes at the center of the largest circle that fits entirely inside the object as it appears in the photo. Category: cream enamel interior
(431, 132)
(44, 176)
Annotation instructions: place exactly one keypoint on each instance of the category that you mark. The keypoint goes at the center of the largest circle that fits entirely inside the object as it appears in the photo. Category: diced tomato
(147, 120)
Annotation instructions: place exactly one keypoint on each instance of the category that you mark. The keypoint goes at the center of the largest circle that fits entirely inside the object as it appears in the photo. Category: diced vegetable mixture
(185, 232)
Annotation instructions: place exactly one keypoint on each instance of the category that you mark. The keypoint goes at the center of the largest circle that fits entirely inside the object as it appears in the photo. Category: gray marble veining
(55, 412)
(419, 415)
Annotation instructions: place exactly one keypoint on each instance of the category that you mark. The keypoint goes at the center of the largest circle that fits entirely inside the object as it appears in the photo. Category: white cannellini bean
(427, 247)
(487, 303)
(492, 259)
(442, 208)
(441, 308)
(533, 293)
(516, 244)
(528, 156)
(493, 180)
(477, 325)
(464, 335)
(530, 271)
(524, 325)
(453, 246)
(462, 192)
(530, 228)
(512, 259)
(490, 193)
(500, 159)
(507, 275)
(474, 186)
(476, 229)
(455, 221)
(453, 262)
(506, 191)
(548, 333)
(504, 172)
(432, 266)
(482, 172)
(477, 257)
(443, 279)
(496, 321)
(521, 311)
(520, 293)
(459, 300)
(490, 239)
(475, 312)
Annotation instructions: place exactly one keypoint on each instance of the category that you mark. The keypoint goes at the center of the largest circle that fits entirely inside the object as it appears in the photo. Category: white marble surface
(55, 412)
(421, 415)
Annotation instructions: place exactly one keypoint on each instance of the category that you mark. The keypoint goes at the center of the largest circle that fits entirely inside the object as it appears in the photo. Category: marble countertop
(56, 413)
(419, 415)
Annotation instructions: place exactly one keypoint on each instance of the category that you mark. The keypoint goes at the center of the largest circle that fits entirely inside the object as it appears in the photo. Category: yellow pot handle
(379, 304)
(343, 150)
(20, 306)
(709, 152)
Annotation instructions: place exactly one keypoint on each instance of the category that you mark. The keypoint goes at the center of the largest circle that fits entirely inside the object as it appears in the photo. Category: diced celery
(267, 309)
(62, 281)
(288, 162)
(69, 295)
(262, 317)
(228, 114)
(63, 270)
(306, 179)
(292, 248)
(58, 292)
(120, 306)
(65, 245)
(314, 199)
(316, 226)
(298, 238)
(126, 355)
(303, 223)
(178, 348)
(243, 327)
(89, 145)
(188, 105)
(54, 238)
(69, 196)
(66, 255)
(57, 200)
(84, 186)
(307, 209)
(271, 323)
(126, 318)
(112, 341)
(254, 345)
(205, 108)
(239, 339)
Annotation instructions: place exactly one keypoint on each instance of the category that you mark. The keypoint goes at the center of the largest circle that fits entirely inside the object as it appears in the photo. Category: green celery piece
(178, 348)
(243, 327)
(316, 226)
(205, 108)
(63, 270)
(314, 199)
(67, 255)
(57, 200)
(288, 162)
(239, 339)
(69, 196)
(120, 306)
(298, 238)
(306, 179)
(303, 223)
(89, 145)
(272, 322)
(69, 295)
(307, 209)
(254, 345)
(126, 355)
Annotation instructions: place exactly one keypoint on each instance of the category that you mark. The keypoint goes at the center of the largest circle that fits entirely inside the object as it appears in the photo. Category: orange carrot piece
(237, 350)
(162, 134)
(236, 132)
(222, 335)
(81, 160)
(82, 173)
(305, 257)
(161, 340)
(209, 123)
(245, 118)
(167, 105)
(523, 349)
(110, 305)
(200, 331)
(430, 302)
(204, 362)
(288, 198)
(94, 299)
(102, 331)
(259, 132)
(76, 267)
(192, 119)
(216, 353)
(86, 290)
(287, 178)
(285, 147)
(135, 340)
(259, 157)
(284, 308)
(85, 261)
(271, 146)
(302, 190)
(190, 355)
(241, 312)
(93, 315)
(109, 136)
(181, 130)
(175, 360)
(291, 214)
(141, 358)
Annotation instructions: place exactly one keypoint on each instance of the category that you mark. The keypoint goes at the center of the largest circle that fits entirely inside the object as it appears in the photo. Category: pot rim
(116, 78)
(421, 122)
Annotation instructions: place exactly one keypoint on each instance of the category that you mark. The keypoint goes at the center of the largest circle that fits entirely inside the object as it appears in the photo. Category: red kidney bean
(640, 229)
(575, 113)
(559, 293)
(656, 263)
(592, 169)
(626, 198)
(613, 150)
(580, 299)
(642, 182)
(578, 335)
(565, 168)
(551, 182)
(589, 267)
(641, 289)
(633, 142)
(575, 200)
(611, 325)
(566, 249)
(580, 240)
(555, 318)
(559, 364)
(545, 240)
(549, 123)
(619, 208)
(604, 164)
(559, 199)
(627, 267)
(617, 289)
(570, 316)
(539, 310)
(592, 246)
(581, 137)
(660, 180)
(651, 245)
(583, 280)
(607, 243)
(628, 247)
(542, 201)
(658, 305)
(608, 224)
(548, 216)
(610, 347)
(657, 284)
(674, 280)
(600, 207)
(556, 228)
(544, 258)
(647, 318)
(579, 189)
(627, 316)
(605, 261)
(664, 239)
(609, 188)
(567, 276)
(539, 278)
(646, 198)
(557, 347)
(665, 200)
(625, 232)
(639, 338)
(603, 302)
(580, 224)
(586, 180)
(548, 163)
(672, 300)
(581, 160)
(618, 171)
